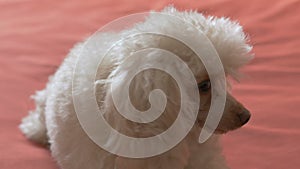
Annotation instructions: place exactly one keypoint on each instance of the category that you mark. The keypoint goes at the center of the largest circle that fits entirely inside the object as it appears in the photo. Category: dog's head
(226, 36)
(232, 46)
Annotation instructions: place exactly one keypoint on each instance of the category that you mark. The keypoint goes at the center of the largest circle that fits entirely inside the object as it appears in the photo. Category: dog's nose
(244, 116)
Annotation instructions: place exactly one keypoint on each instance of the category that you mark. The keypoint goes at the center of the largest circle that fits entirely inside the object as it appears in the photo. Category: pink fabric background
(36, 35)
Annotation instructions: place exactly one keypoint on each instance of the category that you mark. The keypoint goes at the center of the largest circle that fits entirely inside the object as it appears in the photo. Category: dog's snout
(244, 116)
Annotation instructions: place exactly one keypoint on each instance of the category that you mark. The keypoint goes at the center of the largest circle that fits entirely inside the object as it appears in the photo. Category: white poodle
(54, 121)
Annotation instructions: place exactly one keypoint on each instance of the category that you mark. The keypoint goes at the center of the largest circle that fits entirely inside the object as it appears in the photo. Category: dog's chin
(218, 130)
(224, 131)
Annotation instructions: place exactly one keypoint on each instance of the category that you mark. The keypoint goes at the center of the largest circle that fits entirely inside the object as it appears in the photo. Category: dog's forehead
(196, 66)
(202, 76)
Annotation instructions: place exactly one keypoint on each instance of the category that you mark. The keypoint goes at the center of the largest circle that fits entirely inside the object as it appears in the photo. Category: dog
(54, 121)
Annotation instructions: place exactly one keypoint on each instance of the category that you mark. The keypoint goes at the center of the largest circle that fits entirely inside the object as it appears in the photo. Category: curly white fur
(55, 117)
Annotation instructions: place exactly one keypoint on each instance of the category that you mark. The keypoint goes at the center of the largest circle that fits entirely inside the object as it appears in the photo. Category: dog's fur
(54, 120)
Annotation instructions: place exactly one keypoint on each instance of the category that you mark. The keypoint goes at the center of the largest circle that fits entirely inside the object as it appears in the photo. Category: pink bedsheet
(36, 35)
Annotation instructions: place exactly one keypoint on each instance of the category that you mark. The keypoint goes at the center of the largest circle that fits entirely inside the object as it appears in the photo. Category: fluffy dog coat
(54, 120)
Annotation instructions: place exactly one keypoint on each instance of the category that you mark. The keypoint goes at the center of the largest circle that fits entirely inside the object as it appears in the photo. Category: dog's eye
(204, 86)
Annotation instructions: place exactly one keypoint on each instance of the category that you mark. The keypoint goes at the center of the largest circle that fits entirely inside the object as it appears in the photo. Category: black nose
(244, 116)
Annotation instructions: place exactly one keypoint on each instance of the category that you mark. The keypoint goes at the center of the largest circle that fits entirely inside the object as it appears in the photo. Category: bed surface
(36, 35)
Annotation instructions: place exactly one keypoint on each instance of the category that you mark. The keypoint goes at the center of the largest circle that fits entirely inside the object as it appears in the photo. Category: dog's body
(54, 121)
